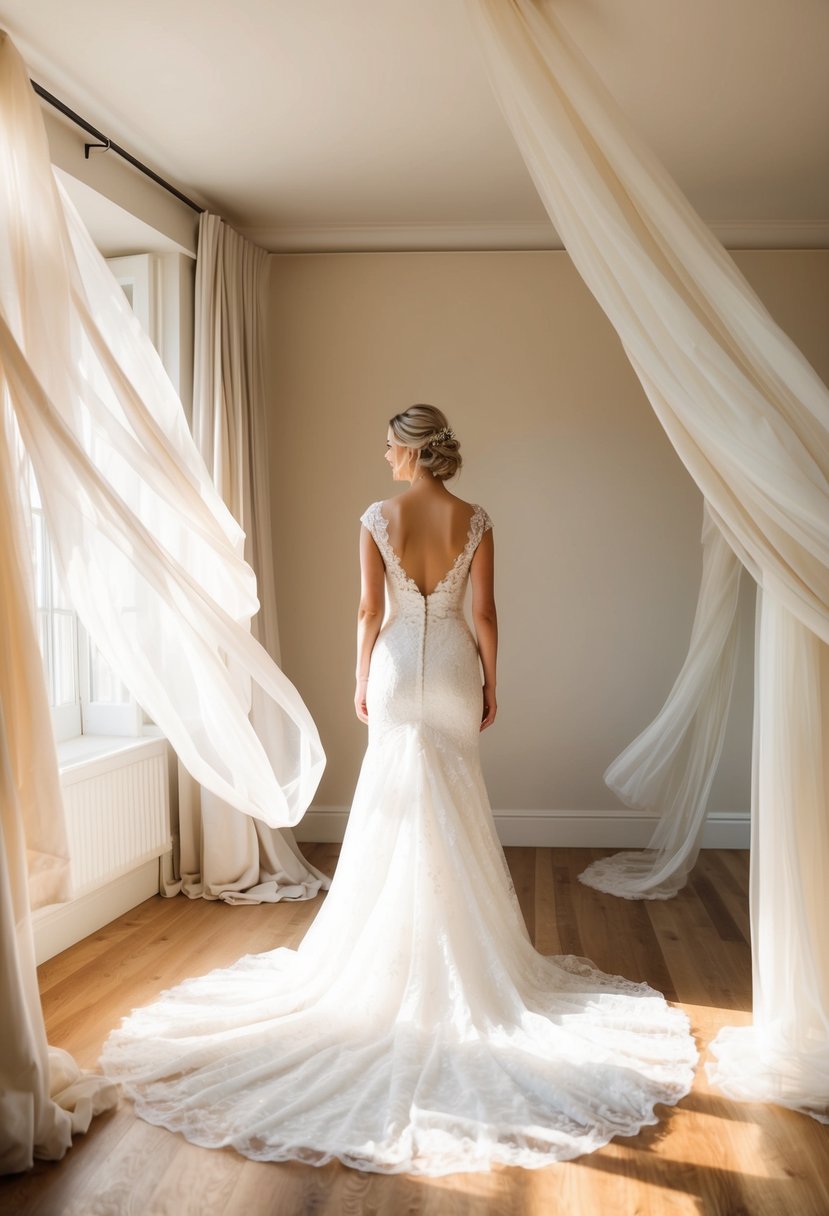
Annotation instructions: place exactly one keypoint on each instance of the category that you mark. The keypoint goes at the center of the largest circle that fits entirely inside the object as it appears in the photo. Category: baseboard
(605, 829)
(62, 925)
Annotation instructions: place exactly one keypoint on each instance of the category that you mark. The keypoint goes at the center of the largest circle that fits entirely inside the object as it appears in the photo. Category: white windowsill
(82, 757)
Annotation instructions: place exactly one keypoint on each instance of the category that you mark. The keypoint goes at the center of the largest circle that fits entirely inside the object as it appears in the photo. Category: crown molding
(403, 238)
(783, 235)
(422, 238)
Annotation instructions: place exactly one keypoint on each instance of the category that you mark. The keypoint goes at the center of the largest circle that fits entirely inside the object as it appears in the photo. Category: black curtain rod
(109, 144)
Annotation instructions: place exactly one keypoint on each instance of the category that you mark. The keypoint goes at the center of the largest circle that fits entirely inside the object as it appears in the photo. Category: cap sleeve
(367, 517)
(375, 521)
(479, 525)
(480, 521)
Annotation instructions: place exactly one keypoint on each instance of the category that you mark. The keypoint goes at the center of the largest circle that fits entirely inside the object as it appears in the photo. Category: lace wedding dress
(415, 1028)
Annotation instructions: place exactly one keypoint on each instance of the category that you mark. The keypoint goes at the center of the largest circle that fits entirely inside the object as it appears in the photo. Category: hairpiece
(440, 436)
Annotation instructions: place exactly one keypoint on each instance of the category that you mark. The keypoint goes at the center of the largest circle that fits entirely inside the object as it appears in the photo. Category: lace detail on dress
(455, 578)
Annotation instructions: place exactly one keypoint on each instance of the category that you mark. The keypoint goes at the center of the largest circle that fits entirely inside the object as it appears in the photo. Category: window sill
(90, 754)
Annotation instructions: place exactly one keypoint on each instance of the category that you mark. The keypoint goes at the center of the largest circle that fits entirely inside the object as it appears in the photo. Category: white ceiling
(344, 124)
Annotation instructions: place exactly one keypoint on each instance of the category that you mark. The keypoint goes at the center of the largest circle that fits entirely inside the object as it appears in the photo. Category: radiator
(117, 812)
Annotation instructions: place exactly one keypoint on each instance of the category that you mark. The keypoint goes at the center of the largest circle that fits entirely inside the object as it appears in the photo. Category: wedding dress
(415, 1028)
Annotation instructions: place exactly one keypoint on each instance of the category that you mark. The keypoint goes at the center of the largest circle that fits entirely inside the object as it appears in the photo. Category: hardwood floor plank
(521, 862)
(565, 913)
(729, 889)
(195, 1181)
(127, 1179)
(115, 935)
(721, 918)
(546, 938)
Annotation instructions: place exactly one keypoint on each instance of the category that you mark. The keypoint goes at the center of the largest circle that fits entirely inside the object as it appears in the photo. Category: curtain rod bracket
(105, 146)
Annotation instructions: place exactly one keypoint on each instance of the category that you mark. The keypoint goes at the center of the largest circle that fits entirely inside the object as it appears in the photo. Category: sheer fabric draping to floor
(749, 418)
(670, 767)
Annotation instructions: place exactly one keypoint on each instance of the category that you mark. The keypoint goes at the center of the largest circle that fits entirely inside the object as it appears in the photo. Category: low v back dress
(415, 1029)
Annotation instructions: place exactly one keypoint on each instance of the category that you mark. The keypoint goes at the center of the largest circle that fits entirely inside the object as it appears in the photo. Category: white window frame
(103, 717)
(67, 720)
(138, 275)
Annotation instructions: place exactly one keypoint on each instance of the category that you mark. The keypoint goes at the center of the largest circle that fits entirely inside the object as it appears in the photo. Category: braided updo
(425, 428)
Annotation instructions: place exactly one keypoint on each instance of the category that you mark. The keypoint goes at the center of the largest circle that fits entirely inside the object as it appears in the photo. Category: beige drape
(224, 854)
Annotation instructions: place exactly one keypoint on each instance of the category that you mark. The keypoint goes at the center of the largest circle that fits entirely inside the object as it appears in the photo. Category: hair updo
(425, 428)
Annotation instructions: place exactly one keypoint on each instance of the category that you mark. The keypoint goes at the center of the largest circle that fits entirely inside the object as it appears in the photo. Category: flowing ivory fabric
(749, 418)
(150, 556)
(135, 523)
(671, 765)
(415, 1028)
(44, 1096)
(783, 1056)
(224, 854)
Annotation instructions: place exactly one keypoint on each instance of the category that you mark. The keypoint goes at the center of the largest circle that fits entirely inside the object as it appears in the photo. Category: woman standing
(415, 1028)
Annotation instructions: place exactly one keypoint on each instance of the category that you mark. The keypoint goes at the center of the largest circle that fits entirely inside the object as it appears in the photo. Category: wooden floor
(708, 1155)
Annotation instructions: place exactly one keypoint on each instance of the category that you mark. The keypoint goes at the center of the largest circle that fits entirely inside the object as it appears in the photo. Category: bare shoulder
(443, 516)
(467, 511)
(469, 507)
(401, 503)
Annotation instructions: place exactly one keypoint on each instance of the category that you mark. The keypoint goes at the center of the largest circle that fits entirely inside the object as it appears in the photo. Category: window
(57, 629)
(85, 695)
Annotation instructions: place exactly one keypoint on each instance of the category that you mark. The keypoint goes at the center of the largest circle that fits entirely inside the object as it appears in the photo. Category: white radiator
(117, 811)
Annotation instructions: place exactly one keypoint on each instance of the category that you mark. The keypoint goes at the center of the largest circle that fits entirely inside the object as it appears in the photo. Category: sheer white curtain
(149, 554)
(224, 854)
(749, 418)
(783, 1055)
(134, 522)
(670, 766)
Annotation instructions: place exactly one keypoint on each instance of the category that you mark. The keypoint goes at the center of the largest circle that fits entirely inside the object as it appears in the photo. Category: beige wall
(596, 521)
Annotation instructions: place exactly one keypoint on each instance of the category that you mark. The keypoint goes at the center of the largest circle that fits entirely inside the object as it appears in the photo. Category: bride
(415, 1028)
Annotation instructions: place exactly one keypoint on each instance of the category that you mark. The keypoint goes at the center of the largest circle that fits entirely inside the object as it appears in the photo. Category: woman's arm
(485, 618)
(369, 615)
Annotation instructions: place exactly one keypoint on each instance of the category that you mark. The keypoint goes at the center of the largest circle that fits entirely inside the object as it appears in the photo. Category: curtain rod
(110, 145)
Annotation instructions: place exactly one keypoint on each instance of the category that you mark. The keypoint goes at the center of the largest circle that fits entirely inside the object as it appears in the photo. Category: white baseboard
(606, 829)
(62, 925)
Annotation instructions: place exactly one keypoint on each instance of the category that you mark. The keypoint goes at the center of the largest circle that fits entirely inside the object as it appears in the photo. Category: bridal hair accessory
(440, 436)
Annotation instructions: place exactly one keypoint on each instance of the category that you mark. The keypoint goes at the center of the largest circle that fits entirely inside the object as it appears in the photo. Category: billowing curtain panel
(745, 412)
(224, 854)
(783, 1055)
(149, 555)
(670, 766)
(44, 1096)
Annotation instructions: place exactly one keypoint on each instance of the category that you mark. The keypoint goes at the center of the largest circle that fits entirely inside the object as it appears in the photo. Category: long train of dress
(415, 1028)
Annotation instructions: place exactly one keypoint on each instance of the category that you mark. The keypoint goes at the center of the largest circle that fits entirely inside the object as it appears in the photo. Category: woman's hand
(490, 707)
(360, 701)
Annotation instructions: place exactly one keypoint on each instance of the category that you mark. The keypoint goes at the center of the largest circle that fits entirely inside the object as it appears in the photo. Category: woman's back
(427, 532)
